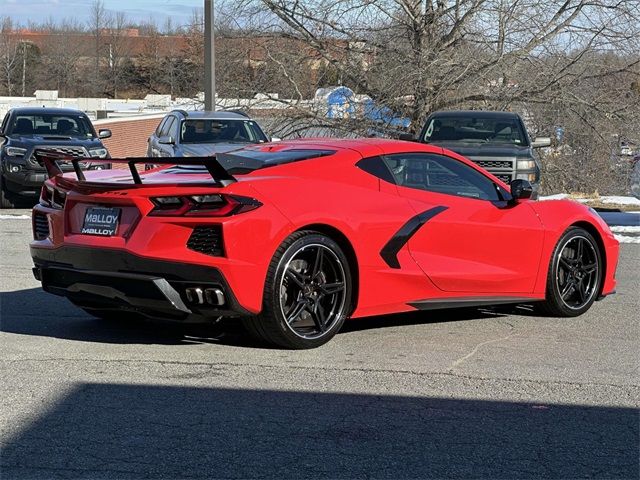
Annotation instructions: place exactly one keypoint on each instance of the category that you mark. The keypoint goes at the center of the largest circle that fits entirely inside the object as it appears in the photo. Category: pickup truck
(496, 141)
(62, 131)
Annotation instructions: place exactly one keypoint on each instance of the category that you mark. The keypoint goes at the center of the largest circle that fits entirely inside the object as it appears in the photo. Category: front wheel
(6, 200)
(307, 293)
(575, 274)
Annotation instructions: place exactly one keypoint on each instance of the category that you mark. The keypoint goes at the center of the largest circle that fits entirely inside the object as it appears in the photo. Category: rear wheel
(6, 199)
(307, 293)
(575, 274)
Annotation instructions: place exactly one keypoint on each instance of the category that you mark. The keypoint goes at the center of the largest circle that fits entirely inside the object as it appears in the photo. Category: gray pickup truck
(61, 131)
(496, 141)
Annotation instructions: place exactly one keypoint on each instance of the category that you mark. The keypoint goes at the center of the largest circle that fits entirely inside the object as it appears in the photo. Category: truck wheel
(6, 201)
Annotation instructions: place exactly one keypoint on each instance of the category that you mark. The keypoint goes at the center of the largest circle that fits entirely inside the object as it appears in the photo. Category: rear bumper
(119, 280)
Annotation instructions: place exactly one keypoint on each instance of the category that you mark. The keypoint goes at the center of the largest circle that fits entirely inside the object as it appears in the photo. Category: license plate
(101, 221)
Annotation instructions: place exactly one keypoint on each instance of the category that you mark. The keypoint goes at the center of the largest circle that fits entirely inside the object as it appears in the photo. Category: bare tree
(9, 54)
(118, 45)
(97, 24)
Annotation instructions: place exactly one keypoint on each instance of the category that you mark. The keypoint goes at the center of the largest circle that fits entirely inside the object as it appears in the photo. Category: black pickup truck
(497, 141)
(59, 130)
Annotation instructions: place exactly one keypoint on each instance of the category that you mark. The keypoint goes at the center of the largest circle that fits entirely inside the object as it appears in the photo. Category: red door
(470, 240)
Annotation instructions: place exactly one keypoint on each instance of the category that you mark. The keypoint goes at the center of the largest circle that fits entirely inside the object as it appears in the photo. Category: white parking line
(15, 217)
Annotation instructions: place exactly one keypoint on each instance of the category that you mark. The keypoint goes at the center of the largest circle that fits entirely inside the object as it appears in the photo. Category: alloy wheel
(313, 291)
(577, 272)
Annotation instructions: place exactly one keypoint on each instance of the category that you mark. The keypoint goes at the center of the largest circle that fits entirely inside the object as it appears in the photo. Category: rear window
(249, 159)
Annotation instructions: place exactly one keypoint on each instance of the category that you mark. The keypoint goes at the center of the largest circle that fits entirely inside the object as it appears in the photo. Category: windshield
(221, 131)
(68, 125)
(475, 129)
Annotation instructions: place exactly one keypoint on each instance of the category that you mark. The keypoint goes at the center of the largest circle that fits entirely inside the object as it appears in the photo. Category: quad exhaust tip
(210, 296)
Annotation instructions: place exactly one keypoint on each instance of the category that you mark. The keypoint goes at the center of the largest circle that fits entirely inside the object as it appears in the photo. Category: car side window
(173, 129)
(5, 121)
(161, 126)
(166, 128)
(441, 174)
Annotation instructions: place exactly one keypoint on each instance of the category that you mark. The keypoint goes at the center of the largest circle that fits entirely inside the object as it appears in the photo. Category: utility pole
(24, 66)
(209, 58)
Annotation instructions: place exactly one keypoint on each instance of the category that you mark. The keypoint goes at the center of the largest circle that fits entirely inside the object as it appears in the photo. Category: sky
(23, 11)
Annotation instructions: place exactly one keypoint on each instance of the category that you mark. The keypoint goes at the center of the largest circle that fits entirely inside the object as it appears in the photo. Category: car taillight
(209, 205)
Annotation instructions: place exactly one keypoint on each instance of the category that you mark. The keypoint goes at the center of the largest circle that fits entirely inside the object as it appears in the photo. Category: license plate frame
(101, 221)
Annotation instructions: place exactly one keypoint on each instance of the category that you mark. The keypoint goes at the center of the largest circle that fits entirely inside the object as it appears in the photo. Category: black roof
(46, 110)
(475, 113)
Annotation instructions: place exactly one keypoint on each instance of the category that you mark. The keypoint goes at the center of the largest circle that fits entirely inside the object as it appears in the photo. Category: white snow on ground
(557, 196)
(626, 239)
(15, 217)
(620, 229)
(613, 199)
(621, 200)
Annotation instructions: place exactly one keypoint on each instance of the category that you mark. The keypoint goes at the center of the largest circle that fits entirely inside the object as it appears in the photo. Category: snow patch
(627, 239)
(611, 199)
(619, 229)
(557, 196)
(620, 200)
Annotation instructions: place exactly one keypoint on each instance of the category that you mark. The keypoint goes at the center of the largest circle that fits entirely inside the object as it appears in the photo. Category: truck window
(475, 129)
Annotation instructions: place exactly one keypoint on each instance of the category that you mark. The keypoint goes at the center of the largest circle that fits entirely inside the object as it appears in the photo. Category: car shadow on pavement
(101, 430)
(35, 312)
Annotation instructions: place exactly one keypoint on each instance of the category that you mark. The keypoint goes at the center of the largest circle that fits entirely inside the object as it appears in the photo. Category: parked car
(497, 141)
(294, 239)
(63, 131)
(194, 134)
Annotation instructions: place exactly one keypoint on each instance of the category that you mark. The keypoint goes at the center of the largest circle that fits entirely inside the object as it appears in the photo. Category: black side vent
(207, 240)
(40, 226)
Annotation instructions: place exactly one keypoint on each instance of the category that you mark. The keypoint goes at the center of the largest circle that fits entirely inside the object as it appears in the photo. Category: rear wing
(215, 169)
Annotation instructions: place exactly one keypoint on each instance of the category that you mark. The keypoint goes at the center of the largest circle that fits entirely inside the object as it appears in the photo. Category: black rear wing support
(215, 169)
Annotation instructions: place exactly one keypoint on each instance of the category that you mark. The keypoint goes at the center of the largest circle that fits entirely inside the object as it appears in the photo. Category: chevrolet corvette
(294, 237)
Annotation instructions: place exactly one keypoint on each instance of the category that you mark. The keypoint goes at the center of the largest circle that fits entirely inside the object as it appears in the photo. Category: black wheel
(575, 274)
(6, 200)
(307, 293)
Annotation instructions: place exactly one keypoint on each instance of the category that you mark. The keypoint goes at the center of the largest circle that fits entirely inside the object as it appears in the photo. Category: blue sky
(23, 11)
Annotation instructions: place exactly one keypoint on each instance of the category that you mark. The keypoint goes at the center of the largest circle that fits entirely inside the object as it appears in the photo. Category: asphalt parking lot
(466, 393)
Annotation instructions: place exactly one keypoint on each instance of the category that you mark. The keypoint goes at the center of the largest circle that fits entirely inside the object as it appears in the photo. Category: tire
(575, 274)
(307, 293)
(6, 200)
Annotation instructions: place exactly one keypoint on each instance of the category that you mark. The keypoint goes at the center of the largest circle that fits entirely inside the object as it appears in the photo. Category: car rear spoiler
(217, 171)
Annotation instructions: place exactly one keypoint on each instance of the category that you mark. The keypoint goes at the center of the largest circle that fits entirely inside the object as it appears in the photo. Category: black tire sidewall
(273, 296)
(553, 295)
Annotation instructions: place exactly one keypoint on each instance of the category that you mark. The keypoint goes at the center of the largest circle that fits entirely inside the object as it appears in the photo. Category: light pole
(209, 58)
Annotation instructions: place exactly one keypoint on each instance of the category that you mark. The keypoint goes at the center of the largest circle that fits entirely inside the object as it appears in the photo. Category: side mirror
(166, 140)
(104, 133)
(276, 139)
(520, 190)
(408, 137)
(3, 140)
(541, 142)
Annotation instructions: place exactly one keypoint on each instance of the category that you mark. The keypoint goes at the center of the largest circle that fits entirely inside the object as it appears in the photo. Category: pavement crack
(475, 350)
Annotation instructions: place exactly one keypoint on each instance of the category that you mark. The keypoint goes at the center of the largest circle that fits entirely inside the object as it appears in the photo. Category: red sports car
(294, 237)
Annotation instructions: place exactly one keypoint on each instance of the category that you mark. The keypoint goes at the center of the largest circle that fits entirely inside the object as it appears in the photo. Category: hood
(28, 140)
(209, 149)
(485, 149)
